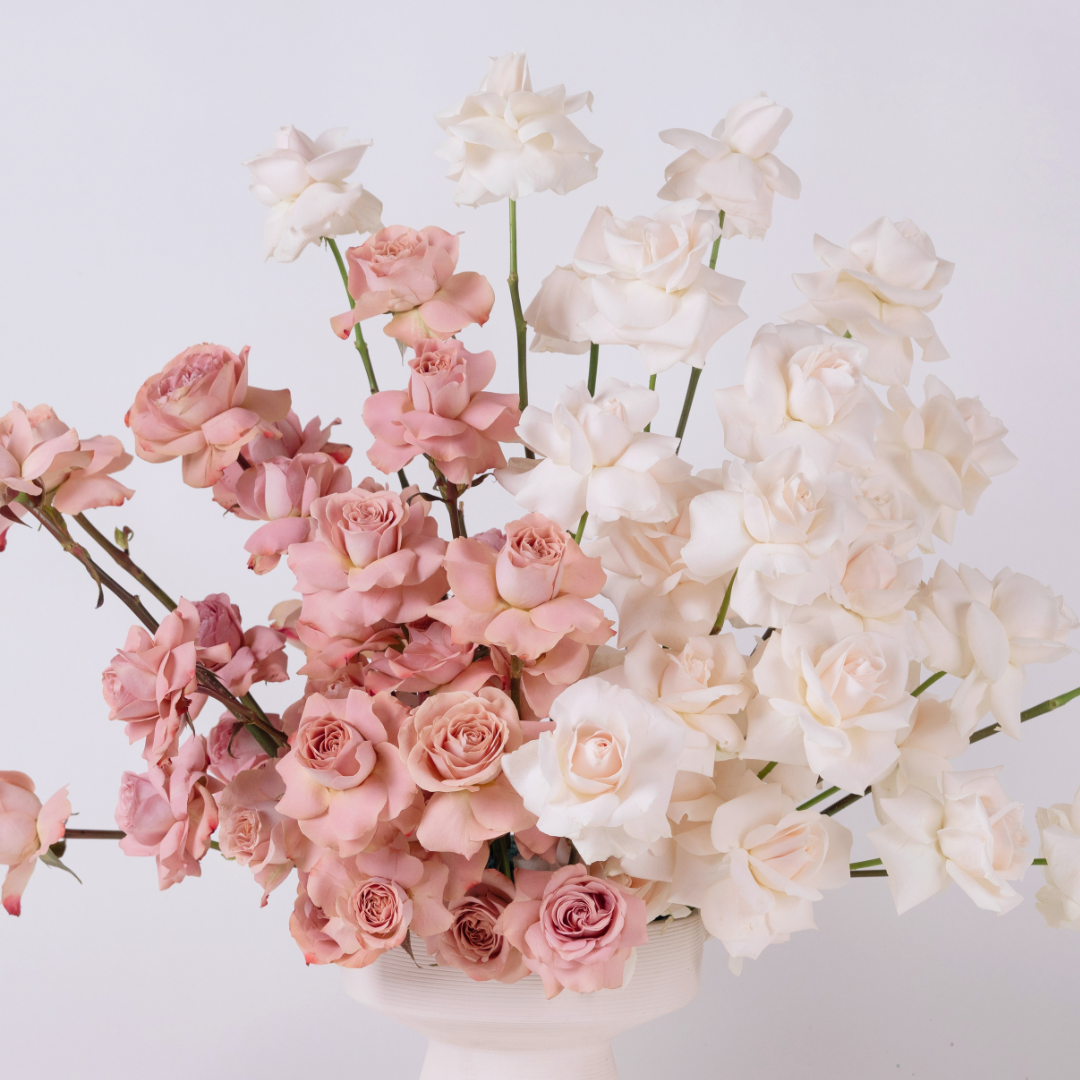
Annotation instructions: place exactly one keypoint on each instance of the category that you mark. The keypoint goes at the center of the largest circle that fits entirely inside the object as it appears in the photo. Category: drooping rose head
(528, 570)
(232, 749)
(219, 622)
(143, 810)
(19, 809)
(456, 741)
(380, 910)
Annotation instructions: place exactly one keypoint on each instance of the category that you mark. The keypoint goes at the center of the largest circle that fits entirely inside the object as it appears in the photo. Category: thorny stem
(721, 617)
(1029, 714)
(519, 319)
(594, 363)
(125, 562)
(361, 344)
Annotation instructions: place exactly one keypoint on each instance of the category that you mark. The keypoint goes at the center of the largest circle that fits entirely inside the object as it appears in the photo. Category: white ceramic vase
(491, 1031)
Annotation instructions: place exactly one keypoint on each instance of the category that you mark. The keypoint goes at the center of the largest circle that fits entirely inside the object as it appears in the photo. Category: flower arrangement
(480, 755)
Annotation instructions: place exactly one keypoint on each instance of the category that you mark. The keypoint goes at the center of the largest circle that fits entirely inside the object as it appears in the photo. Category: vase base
(445, 1061)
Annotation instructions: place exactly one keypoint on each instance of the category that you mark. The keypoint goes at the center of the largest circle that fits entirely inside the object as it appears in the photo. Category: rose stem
(928, 683)
(519, 318)
(766, 770)
(251, 715)
(652, 386)
(516, 664)
(124, 560)
(450, 492)
(691, 389)
(856, 868)
(581, 527)
(594, 363)
(361, 344)
(865, 864)
(716, 245)
(94, 834)
(983, 733)
(721, 617)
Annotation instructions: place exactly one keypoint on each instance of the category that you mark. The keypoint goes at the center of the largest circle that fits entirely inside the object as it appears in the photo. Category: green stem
(691, 389)
(594, 363)
(721, 617)
(817, 798)
(766, 770)
(519, 318)
(843, 803)
(1029, 714)
(652, 386)
(864, 864)
(450, 492)
(1038, 862)
(500, 848)
(926, 685)
(716, 245)
(581, 527)
(124, 560)
(361, 344)
(869, 873)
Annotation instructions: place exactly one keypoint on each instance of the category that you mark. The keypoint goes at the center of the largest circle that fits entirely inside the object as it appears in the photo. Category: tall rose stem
(594, 363)
(450, 493)
(94, 834)
(691, 389)
(716, 246)
(928, 683)
(361, 344)
(519, 318)
(125, 562)
(721, 617)
(983, 733)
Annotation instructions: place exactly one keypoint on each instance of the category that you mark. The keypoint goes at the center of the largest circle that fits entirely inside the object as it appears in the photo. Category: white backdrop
(129, 234)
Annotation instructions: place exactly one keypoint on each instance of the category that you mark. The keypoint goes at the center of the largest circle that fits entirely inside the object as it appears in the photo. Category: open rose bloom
(614, 686)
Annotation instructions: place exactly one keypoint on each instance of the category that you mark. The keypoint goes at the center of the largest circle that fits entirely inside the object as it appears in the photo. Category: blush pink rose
(343, 775)
(373, 899)
(199, 407)
(472, 944)
(574, 930)
(544, 678)
(169, 812)
(27, 831)
(239, 658)
(411, 274)
(454, 744)
(150, 683)
(445, 414)
(529, 596)
(232, 749)
(252, 832)
(307, 924)
(376, 558)
(428, 659)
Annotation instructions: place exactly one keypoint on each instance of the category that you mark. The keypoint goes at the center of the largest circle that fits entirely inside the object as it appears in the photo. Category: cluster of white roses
(691, 773)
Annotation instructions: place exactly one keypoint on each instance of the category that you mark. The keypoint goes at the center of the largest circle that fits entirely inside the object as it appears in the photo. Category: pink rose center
(597, 756)
(370, 515)
(466, 741)
(376, 907)
(390, 250)
(473, 930)
(537, 544)
(579, 912)
(435, 362)
(240, 835)
(321, 743)
(198, 367)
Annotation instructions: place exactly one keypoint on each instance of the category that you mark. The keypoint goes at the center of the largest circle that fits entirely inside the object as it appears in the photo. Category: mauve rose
(374, 898)
(200, 407)
(526, 598)
(472, 944)
(232, 749)
(574, 930)
(343, 776)
(445, 414)
(29, 442)
(219, 622)
(239, 658)
(428, 660)
(27, 830)
(307, 924)
(411, 274)
(169, 812)
(376, 557)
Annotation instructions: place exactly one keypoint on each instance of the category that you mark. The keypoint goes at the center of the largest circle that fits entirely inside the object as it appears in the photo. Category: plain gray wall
(129, 234)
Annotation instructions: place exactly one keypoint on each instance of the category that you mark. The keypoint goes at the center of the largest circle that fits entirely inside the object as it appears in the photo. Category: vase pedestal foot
(445, 1061)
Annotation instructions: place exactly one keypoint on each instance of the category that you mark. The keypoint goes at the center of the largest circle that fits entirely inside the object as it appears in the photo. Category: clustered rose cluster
(476, 757)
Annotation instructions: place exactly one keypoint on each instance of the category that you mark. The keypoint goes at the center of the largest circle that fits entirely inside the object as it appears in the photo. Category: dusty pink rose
(472, 944)
(252, 832)
(199, 407)
(445, 414)
(27, 830)
(232, 749)
(529, 596)
(169, 812)
(376, 557)
(307, 924)
(426, 660)
(40, 453)
(574, 930)
(544, 678)
(342, 774)
(411, 274)
(239, 658)
(150, 683)
(373, 899)
(454, 744)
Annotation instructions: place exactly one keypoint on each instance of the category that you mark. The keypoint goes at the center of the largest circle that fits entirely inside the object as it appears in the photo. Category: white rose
(647, 580)
(890, 511)
(877, 583)
(603, 778)
(879, 289)
(985, 632)
(784, 523)
(650, 289)
(735, 170)
(968, 831)
(777, 860)
(596, 456)
(930, 451)
(507, 141)
(303, 180)
(803, 387)
(704, 684)
(558, 311)
(1059, 830)
(834, 703)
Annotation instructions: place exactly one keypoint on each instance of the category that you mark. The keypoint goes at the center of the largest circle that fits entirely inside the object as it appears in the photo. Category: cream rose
(1059, 832)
